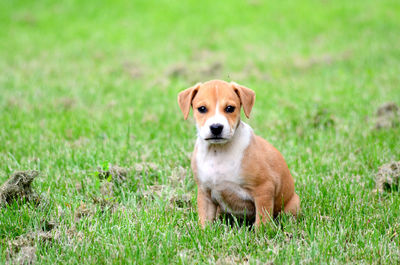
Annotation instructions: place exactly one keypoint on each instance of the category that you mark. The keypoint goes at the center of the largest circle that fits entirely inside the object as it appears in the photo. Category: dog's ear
(185, 99)
(247, 97)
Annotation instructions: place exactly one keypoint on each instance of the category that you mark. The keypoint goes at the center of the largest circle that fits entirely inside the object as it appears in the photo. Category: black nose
(216, 128)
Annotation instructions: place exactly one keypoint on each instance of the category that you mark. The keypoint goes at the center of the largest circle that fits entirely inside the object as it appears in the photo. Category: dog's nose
(216, 128)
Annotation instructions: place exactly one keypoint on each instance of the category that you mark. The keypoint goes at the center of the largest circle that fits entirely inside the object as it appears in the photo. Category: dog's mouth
(215, 139)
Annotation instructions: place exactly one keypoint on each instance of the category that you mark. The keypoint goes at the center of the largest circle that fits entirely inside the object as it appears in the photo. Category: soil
(18, 187)
(387, 178)
(387, 116)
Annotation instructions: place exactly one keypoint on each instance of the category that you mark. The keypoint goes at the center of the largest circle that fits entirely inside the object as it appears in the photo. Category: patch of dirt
(133, 70)
(230, 260)
(178, 70)
(107, 188)
(154, 191)
(108, 204)
(253, 70)
(388, 177)
(113, 177)
(15, 102)
(203, 55)
(325, 59)
(119, 175)
(150, 117)
(83, 211)
(145, 167)
(250, 70)
(173, 192)
(98, 55)
(78, 186)
(178, 196)
(112, 103)
(26, 255)
(387, 108)
(212, 69)
(26, 18)
(387, 116)
(301, 235)
(78, 143)
(65, 103)
(183, 201)
(288, 237)
(49, 225)
(73, 234)
(22, 250)
(205, 65)
(322, 118)
(178, 176)
(115, 173)
(89, 210)
(18, 187)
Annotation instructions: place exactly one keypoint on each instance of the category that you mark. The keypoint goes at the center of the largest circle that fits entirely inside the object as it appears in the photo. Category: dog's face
(216, 106)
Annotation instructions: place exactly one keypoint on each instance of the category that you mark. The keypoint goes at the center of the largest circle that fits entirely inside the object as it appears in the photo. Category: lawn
(88, 99)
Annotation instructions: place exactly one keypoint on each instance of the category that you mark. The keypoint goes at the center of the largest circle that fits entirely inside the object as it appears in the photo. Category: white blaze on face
(205, 133)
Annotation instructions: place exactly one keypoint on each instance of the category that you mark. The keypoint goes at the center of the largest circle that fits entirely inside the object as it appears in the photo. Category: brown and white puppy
(236, 171)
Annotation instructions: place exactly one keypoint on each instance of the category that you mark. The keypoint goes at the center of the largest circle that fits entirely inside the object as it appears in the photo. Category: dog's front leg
(206, 208)
(264, 202)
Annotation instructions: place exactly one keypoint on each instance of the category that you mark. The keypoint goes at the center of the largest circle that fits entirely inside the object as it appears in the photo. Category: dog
(236, 171)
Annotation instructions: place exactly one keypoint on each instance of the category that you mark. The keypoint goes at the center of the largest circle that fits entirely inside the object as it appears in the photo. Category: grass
(84, 85)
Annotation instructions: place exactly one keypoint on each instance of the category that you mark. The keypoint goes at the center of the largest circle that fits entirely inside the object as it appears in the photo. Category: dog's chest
(219, 173)
(216, 168)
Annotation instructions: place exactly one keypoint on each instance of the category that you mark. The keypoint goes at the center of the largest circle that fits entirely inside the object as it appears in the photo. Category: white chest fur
(219, 168)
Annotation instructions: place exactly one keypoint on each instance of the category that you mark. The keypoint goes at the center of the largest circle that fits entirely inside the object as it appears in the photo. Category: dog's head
(216, 105)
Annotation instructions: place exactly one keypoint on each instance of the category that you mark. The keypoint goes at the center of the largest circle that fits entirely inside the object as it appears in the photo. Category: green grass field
(88, 84)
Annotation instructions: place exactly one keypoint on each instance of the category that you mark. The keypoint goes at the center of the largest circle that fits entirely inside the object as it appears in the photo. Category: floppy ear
(247, 97)
(185, 99)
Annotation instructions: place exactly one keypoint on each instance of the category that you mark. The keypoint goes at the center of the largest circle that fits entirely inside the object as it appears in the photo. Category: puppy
(236, 171)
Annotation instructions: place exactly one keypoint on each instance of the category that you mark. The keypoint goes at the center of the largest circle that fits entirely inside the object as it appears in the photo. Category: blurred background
(88, 81)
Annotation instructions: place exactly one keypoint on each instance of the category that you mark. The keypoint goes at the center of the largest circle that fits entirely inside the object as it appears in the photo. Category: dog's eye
(202, 109)
(230, 109)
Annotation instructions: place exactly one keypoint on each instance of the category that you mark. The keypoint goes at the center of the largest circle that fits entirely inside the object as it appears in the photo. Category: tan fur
(207, 96)
(185, 99)
(237, 203)
(247, 97)
(268, 179)
(265, 172)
